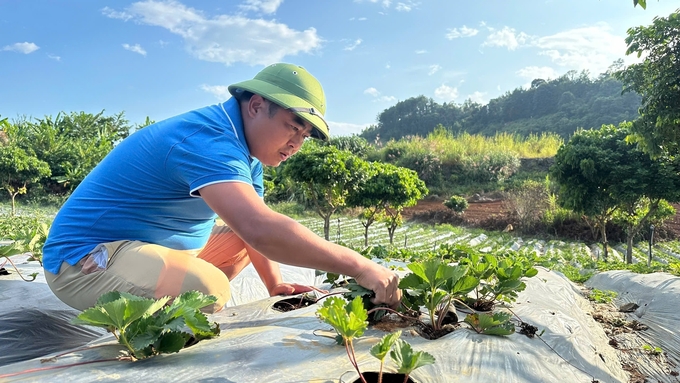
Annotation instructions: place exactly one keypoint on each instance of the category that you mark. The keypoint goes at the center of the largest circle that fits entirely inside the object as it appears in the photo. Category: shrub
(456, 203)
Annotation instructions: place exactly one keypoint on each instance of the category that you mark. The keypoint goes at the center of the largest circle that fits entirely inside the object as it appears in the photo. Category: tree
(600, 175)
(404, 189)
(657, 79)
(18, 169)
(326, 175)
(387, 185)
(71, 144)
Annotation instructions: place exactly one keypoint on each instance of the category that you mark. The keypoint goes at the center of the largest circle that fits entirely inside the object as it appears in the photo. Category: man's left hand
(292, 289)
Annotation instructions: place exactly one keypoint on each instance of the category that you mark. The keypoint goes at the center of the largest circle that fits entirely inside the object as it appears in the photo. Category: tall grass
(452, 148)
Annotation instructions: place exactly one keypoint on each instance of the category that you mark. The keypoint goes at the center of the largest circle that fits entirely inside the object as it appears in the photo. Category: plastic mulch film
(259, 344)
(658, 298)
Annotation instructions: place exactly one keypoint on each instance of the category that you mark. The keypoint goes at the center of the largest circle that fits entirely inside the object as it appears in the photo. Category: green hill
(561, 105)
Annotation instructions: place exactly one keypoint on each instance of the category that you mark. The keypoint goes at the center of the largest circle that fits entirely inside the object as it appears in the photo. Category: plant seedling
(382, 348)
(652, 350)
(496, 324)
(602, 296)
(431, 282)
(348, 320)
(145, 327)
(408, 360)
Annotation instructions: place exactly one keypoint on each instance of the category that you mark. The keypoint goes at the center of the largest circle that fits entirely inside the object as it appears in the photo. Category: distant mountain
(562, 105)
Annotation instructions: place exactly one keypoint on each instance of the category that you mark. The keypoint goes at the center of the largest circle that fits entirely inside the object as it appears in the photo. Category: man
(144, 220)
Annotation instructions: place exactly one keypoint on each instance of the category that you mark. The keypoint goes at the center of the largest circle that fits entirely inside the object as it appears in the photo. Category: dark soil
(527, 329)
(429, 333)
(294, 303)
(372, 377)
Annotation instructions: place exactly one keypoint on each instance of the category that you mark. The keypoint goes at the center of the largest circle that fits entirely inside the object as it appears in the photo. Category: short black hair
(244, 96)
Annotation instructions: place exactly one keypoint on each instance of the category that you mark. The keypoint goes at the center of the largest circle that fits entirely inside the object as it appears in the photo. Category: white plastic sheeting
(259, 344)
(658, 298)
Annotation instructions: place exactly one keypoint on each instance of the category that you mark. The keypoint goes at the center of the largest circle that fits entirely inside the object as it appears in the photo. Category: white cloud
(402, 7)
(353, 45)
(378, 97)
(591, 48)
(108, 12)
(135, 48)
(455, 33)
(264, 6)
(24, 48)
(506, 37)
(345, 128)
(534, 72)
(388, 66)
(421, 51)
(225, 38)
(54, 57)
(358, 19)
(478, 97)
(434, 69)
(372, 91)
(219, 91)
(385, 3)
(446, 93)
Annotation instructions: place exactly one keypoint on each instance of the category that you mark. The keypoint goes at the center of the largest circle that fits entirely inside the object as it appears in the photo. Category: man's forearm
(268, 270)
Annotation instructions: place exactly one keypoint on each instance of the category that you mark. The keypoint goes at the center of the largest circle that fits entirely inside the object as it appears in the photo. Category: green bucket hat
(294, 89)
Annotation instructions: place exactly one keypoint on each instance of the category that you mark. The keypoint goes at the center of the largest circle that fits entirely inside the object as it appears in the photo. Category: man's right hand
(384, 283)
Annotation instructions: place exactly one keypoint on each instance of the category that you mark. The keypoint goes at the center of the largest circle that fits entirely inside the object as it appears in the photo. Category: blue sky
(161, 58)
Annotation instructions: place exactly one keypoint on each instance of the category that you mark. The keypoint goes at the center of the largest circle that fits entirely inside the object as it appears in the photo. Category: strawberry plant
(407, 359)
(491, 324)
(499, 280)
(349, 322)
(148, 327)
(434, 284)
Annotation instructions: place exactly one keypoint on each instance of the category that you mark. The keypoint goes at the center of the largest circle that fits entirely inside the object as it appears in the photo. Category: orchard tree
(657, 80)
(600, 175)
(638, 214)
(403, 188)
(18, 169)
(387, 185)
(326, 175)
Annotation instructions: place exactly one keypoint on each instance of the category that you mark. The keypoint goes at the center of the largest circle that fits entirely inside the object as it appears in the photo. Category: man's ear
(256, 104)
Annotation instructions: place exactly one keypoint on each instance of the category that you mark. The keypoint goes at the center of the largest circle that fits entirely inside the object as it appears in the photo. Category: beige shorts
(151, 271)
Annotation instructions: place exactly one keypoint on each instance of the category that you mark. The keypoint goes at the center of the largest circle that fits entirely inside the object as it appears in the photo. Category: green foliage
(652, 350)
(500, 276)
(348, 319)
(354, 144)
(407, 359)
(71, 144)
(145, 327)
(384, 193)
(602, 296)
(599, 173)
(657, 79)
(560, 105)
(491, 324)
(434, 284)
(456, 203)
(326, 175)
(18, 168)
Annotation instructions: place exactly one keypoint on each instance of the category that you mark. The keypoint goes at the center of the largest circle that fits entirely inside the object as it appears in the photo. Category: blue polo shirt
(146, 188)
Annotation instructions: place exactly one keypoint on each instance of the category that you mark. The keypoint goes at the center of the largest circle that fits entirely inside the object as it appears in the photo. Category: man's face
(272, 139)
